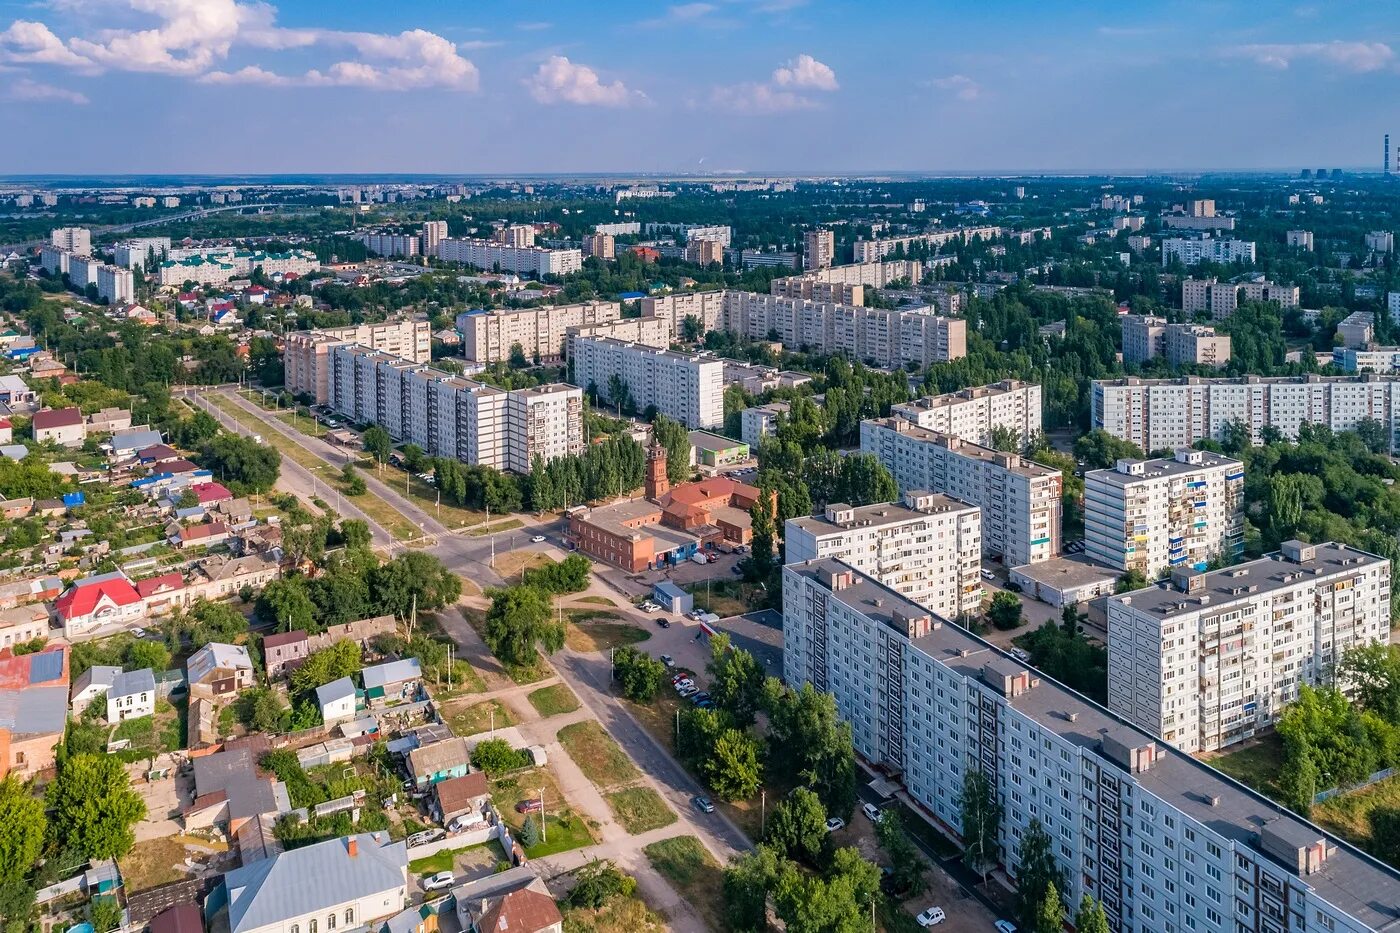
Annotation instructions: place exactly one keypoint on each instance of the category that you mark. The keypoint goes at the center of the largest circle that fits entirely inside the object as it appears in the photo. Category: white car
(650, 607)
(1021, 654)
(931, 917)
(139, 632)
(537, 539)
(465, 822)
(872, 812)
(988, 575)
(442, 879)
(423, 838)
(835, 823)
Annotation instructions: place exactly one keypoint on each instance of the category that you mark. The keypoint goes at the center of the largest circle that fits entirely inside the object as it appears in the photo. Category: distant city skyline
(779, 86)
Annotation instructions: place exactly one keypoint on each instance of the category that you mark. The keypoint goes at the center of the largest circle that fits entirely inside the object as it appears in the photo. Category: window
(330, 921)
(311, 925)
(349, 917)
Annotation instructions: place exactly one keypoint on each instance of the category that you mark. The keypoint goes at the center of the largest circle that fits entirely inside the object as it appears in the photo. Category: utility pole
(544, 834)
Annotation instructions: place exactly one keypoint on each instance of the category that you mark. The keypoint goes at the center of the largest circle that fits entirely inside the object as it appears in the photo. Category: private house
(157, 453)
(109, 420)
(101, 600)
(392, 682)
(231, 790)
(461, 796)
(33, 709)
(125, 443)
(337, 700)
(164, 593)
(361, 631)
(346, 883)
(131, 695)
(439, 761)
(224, 669)
(7, 431)
(22, 624)
(206, 535)
(64, 426)
(421, 919)
(211, 493)
(284, 651)
(91, 684)
(182, 918)
(14, 391)
(513, 901)
(221, 576)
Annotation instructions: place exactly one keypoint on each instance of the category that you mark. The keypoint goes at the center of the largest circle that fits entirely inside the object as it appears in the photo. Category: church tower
(657, 483)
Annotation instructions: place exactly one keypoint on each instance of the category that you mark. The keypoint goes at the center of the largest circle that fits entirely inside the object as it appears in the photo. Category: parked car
(872, 812)
(835, 823)
(425, 837)
(465, 822)
(702, 804)
(683, 683)
(139, 632)
(988, 575)
(705, 704)
(686, 691)
(667, 660)
(537, 539)
(1005, 926)
(438, 882)
(1021, 654)
(650, 607)
(664, 622)
(931, 917)
(531, 805)
(736, 569)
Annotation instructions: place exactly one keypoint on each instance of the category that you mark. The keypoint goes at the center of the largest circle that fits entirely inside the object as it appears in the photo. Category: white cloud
(806, 72)
(27, 90)
(1358, 57)
(190, 38)
(560, 81)
(534, 26)
(689, 11)
(960, 86)
(753, 99)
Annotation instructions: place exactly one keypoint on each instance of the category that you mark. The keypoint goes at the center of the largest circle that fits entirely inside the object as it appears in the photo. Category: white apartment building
(686, 387)
(115, 285)
(1392, 304)
(305, 354)
(1380, 241)
(133, 253)
(621, 228)
(1193, 251)
(1357, 329)
(758, 422)
(82, 270)
(54, 260)
(1146, 337)
(1157, 515)
(818, 249)
(518, 236)
(1222, 298)
(215, 267)
(1369, 359)
(1173, 413)
(1165, 843)
(488, 336)
(488, 254)
(1020, 500)
(449, 416)
(846, 284)
(390, 244)
(718, 233)
(1299, 239)
(77, 240)
(1208, 659)
(927, 547)
(647, 331)
(434, 232)
(876, 250)
(600, 245)
(972, 413)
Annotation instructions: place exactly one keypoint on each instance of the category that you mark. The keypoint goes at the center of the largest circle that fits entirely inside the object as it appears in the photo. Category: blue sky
(752, 85)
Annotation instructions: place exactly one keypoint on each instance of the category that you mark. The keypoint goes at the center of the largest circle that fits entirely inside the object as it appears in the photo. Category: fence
(1375, 778)
(473, 837)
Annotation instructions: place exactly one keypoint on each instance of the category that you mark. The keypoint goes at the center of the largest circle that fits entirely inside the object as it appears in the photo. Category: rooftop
(963, 395)
(840, 515)
(313, 878)
(129, 683)
(704, 440)
(1011, 462)
(1184, 463)
(392, 672)
(1310, 379)
(1068, 573)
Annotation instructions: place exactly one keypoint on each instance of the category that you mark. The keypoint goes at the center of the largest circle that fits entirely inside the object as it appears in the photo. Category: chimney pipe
(352, 845)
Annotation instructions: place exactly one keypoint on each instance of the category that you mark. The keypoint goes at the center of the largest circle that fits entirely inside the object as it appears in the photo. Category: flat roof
(864, 595)
(1162, 467)
(1222, 587)
(1010, 462)
(880, 514)
(1067, 573)
(964, 395)
(1244, 380)
(707, 441)
(653, 351)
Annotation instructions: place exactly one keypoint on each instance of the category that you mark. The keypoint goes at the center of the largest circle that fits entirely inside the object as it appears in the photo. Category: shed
(672, 598)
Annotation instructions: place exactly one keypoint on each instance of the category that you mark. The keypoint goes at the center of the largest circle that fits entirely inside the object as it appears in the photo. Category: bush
(530, 832)
(597, 883)
(495, 756)
(639, 674)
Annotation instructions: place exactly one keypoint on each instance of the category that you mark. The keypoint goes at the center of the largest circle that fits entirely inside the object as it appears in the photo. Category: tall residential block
(449, 416)
(1020, 500)
(818, 249)
(1164, 842)
(1299, 239)
(77, 240)
(136, 252)
(973, 413)
(115, 285)
(600, 245)
(1146, 337)
(1157, 515)
(876, 250)
(1193, 251)
(850, 279)
(1209, 659)
(687, 387)
(489, 255)
(490, 336)
(434, 232)
(1380, 241)
(1222, 298)
(927, 547)
(1173, 413)
(1357, 329)
(395, 245)
(305, 354)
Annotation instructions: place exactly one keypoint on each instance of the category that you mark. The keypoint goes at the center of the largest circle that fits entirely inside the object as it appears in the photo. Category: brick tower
(657, 483)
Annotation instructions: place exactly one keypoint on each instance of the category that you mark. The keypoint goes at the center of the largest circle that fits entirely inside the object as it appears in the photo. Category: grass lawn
(640, 810)
(596, 600)
(513, 563)
(1347, 815)
(507, 525)
(487, 853)
(563, 828)
(464, 681)
(1257, 764)
(553, 701)
(596, 754)
(469, 719)
(600, 636)
(618, 915)
(159, 861)
(694, 873)
(724, 597)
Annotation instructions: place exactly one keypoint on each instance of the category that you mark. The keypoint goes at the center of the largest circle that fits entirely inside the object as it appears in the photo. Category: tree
(733, 770)
(639, 674)
(981, 821)
(530, 832)
(673, 436)
(414, 459)
(759, 565)
(907, 867)
(736, 681)
(355, 484)
(571, 575)
(332, 662)
(286, 604)
(747, 882)
(22, 826)
(797, 828)
(1005, 438)
(378, 443)
(1099, 450)
(208, 621)
(1005, 610)
(355, 534)
(1385, 834)
(413, 580)
(1049, 913)
(241, 462)
(519, 623)
(93, 807)
(495, 756)
(1132, 580)
(105, 913)
(1037, 875)
(150, 654)
(597, 883)
(259, 709)
(1090, 918)
(810, 743)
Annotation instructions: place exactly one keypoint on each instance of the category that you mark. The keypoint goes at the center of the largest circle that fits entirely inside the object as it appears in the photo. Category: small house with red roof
(157, 453)
(104, 599)
(206, 535)
(7, 431)
(64, 426)
(163, 593)
(187, 300)
(210, 493)
(255, 294)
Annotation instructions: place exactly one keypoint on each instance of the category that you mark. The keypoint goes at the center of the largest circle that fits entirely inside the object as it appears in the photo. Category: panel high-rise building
(818, 249)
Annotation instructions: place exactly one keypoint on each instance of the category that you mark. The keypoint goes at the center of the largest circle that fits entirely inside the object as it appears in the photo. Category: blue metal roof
(669, 590)
(631, 296)
(45, 666)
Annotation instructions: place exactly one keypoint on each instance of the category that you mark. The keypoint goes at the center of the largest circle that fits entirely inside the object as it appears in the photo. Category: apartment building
(758, 422)
(1222, 298)
(134, 253)
(1146, 337)
(876, 250)
(77, 240)
(647, 331)
(684, 386)
(1370, 359)
(396, 245)
(1173, 413)
(219, 266)
(82, 270)
(1020, 500)
(517, 236)
(1165, 843)
(972, 413)
(1380, 241)
(600, 246)
(1208, 659)
(825, 284)
(707, 308)
(305, 354)
(54, 260)
(434, 232)
(927, 547)
(488, 254)
(449, 416)
(115, 285)
(719, 233)
(1157, 515)
(1299, 239)
(1195, 250)
(703, 252)
(1357, 329)
(489, 336)
(818, 249)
